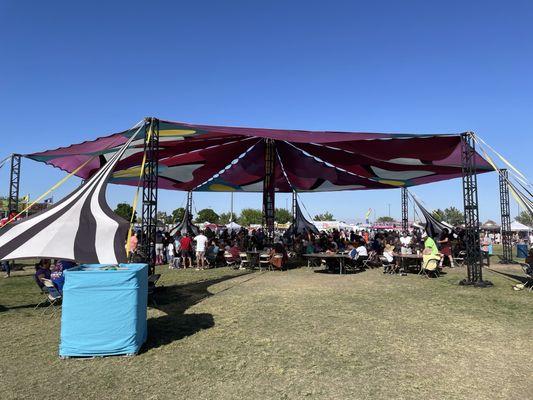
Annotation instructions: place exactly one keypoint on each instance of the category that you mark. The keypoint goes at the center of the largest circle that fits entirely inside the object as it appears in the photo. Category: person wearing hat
(430, 244)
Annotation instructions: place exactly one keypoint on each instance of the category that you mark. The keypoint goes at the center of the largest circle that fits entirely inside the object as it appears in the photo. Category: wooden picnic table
(339, 257)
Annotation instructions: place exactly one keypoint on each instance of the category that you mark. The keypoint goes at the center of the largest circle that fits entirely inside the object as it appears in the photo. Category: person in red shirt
(186, 250)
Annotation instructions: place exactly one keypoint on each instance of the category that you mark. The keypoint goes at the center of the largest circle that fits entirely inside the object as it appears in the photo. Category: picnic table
(406, 260)
(339, 257)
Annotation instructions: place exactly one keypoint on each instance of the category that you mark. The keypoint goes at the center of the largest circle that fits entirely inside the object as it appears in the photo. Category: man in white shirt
(201, 242)
(405, 241)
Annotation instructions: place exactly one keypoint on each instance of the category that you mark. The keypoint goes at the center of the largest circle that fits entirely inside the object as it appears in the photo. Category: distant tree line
(247, 216)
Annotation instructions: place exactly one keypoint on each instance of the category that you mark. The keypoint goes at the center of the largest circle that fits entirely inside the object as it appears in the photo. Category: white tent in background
(233, 226)
(518, 227)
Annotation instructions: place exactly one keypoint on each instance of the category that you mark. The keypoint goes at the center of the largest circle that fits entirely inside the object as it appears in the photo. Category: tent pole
(505, 210)
(149, 207)
(405, 211)
(14, 183)
(294, 206)
(473, 257)
(269, 186)
(189, 202)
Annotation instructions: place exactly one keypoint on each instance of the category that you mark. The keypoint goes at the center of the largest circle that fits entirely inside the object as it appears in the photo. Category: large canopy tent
(219, 158)
(192, 157)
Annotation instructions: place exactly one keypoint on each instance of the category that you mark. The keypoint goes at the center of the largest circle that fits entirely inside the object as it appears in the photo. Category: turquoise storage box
(104, 310)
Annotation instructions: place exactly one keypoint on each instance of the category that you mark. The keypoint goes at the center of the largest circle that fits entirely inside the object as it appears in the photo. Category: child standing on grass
(170, 254)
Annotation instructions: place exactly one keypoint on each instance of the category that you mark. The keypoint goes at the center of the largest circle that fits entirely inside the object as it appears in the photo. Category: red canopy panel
(223, 158)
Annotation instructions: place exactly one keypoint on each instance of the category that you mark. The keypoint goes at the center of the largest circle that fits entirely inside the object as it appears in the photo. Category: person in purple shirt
(42, 271)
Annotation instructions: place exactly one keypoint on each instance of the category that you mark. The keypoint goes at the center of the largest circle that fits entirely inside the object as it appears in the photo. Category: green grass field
(224, 334)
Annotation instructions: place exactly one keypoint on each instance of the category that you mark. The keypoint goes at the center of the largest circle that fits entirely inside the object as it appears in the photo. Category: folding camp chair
(431, 266)
(51, 296)
(230, 261)
(264, 262)
(245, 261)
(373, 260)
(460, 258)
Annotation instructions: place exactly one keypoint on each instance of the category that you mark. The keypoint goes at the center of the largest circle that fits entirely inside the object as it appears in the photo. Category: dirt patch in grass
(289, 335)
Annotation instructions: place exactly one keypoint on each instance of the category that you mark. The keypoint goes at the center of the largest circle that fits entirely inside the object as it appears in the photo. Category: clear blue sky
(73, 71)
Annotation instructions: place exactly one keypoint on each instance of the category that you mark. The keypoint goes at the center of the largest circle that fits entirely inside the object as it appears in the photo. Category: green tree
(250, 216)
(177, 214)
(283, 216)
(164, 217)
(454, 216)
(438, 214)
(451, 215)
(327, 216)
(125, 210)
(525, 218)
(207, 215)
(385, 219)
(225, 218)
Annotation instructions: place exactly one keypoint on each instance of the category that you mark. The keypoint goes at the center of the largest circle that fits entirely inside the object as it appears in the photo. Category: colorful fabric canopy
(221, 158)
(81, 227)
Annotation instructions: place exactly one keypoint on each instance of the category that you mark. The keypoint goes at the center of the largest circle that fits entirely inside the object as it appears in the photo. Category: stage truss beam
(473, 257)
(189, 203)
(269, 190)
(149, 207)
(405, 210)
(505, 211)
(14, 183)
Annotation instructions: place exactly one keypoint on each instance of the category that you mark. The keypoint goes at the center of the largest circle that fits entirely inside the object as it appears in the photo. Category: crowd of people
(207, 248)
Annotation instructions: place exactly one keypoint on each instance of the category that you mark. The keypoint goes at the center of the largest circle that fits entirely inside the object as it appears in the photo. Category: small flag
(49, 200)
(368, 215)
(25, 199)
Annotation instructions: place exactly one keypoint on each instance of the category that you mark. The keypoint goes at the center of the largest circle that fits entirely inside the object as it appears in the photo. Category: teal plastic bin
(521, 250)
(104, 310)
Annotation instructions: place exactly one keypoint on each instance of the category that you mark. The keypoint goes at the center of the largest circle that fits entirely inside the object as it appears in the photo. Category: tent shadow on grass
(174, 301)
(518, 278)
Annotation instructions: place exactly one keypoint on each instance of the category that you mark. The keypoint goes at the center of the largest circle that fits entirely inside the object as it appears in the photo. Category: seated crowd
(209, 249)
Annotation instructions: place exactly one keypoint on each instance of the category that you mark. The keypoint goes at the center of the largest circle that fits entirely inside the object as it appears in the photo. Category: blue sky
(73, 71)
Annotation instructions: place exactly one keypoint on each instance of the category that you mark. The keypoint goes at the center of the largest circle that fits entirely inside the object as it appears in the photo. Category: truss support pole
(269, 186)
(405, 210)
(14, 182)
(189, 203)
(149, 208)
(294, 206)
(506, 233)
(473, 257)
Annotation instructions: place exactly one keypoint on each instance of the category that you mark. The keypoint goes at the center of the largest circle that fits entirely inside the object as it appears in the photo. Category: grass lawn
(222, 334)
